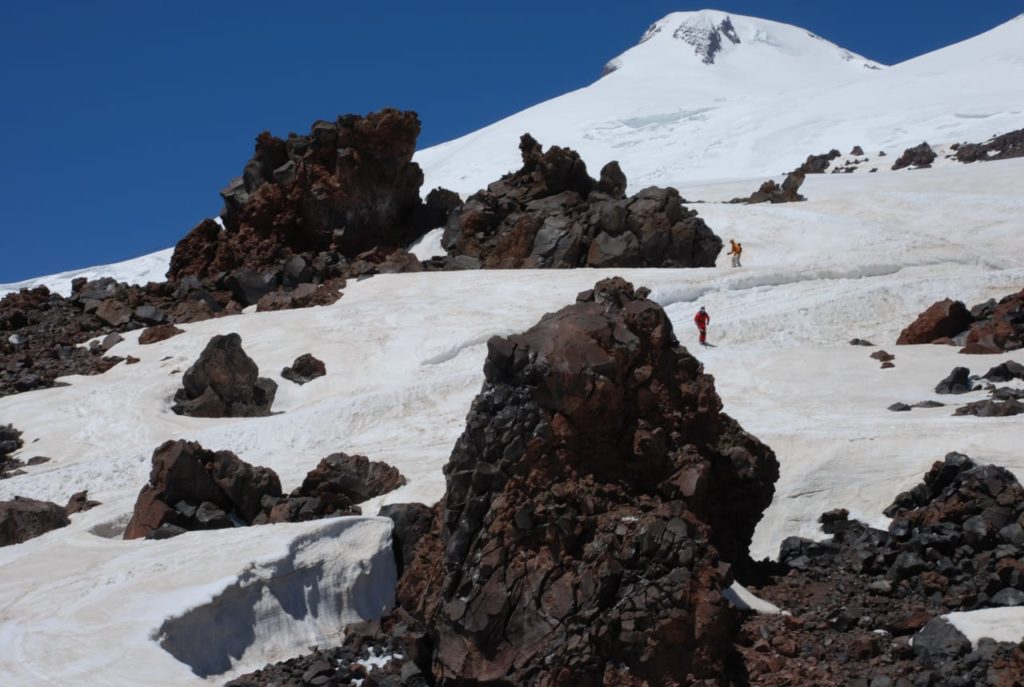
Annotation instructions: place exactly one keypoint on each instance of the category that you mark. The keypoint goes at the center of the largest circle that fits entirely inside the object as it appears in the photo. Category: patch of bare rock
(306, 368)
(1002, 147)
(918, 157)
(552, 214)
(990, 327)
(22, 518)
(771, 192)
(224, 382)
(192, 488)
(866, 603)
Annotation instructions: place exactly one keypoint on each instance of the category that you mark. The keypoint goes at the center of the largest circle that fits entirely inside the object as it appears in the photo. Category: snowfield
(765, 103)
(404, 357)
(404, 353)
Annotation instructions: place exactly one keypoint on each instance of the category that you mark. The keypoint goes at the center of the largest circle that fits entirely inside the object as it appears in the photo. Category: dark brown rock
(185, 476)
(80, 502)
(412, 522)
(945, 318)
(586, 504)
(817, 164)
(22, 519)
(920, 156)
(551, 213)
(341, 481)
(306, 368)
(348, 186)
(998, 328)
(1002, 147)
(771, 192)
(224, 382)
(160, 332)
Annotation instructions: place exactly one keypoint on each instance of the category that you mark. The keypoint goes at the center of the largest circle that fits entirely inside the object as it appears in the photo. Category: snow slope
(141, 270)
(759, 108)
(404, 355)
(709, 105)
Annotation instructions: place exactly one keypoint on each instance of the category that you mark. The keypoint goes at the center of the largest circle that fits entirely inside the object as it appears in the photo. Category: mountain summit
(711, 95)
(753, 51)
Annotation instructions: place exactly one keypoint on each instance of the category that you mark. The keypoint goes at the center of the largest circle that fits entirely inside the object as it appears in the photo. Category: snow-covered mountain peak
(746, 44)
(706, 31)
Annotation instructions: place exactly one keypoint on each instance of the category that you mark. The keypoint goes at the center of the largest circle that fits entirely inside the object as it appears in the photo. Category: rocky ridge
(552, 214)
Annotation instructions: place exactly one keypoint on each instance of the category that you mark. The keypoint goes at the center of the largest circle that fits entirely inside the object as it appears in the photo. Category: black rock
(1008, 597)
(306, 368)
(958, 382)
(1006, 371)
(939, 641)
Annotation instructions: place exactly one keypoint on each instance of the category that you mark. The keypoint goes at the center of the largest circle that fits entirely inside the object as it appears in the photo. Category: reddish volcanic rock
(999, 328)
(191, 488)
(157, 333)
(592, 504)
(946, 318)
(348, 186)
(187, 481)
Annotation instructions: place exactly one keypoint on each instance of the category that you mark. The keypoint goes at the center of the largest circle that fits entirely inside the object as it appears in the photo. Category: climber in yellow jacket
(737, 248)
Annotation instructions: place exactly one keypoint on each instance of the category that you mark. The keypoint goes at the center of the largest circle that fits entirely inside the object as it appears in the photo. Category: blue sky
(122, 120)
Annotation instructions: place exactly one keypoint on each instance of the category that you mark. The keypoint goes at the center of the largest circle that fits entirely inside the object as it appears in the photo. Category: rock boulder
(551, 213)
(224, 382)
(593, 505)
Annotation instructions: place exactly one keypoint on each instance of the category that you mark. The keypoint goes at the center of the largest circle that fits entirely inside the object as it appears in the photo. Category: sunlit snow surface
(760, 109)
(404, 355)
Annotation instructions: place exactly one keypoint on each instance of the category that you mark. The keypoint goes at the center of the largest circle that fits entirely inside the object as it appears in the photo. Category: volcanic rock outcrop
(919, 157)
(347, 186)
(333, 487)
(990, 327)
(40, 330)
(22, 519)
(224, 382)
(306, 368)
(866, 603)
(1001, 147)
(957, 382)
(594, 504)
(191, 488)
(942, 319)
(817, 164)
(551, 213)
(771, 192)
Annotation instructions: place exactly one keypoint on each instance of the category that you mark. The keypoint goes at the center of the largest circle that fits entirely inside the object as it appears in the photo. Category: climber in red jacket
(701, 319)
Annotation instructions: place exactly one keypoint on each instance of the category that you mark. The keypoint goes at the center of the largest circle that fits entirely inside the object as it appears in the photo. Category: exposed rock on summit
(551, 213)
(593, 505)
(224, 382)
